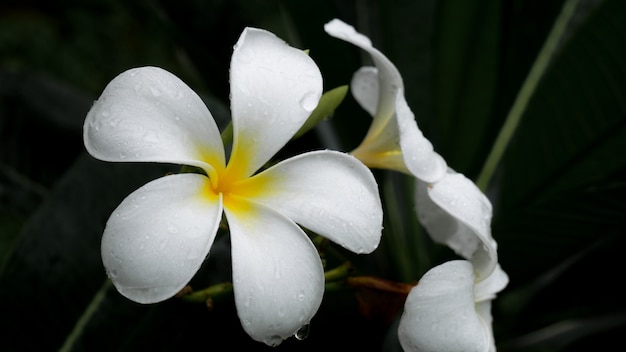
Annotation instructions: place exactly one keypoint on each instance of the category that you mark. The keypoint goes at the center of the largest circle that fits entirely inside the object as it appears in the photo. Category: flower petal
(328, 192)
(394, 141)
(417, 151)
(456, 213)
(390, 80)
(439, 313)
(484, 311)
(157, 238)
(148, 114)
(278, 279)
(274, 89)
(491, 285)
(364, 88)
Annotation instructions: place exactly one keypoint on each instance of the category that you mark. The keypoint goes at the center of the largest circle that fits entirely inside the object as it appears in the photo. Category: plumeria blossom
(449, 311)
(440, 313)
(393, 140)
(456, 296)
(157, 238)
(456, 213)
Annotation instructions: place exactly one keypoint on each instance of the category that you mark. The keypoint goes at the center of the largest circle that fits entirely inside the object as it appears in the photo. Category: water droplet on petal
(303, 332)
(309, 101)
(112, 274)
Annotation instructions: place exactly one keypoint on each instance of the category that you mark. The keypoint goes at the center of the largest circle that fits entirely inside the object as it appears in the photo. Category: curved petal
(456, 213)
(148, 114)
(417, 151)
(274, 88)
(277, 274)
(484, 311)
(439, 313)
(328, 192)
(383, 149)
(157, 238)
(488, 288)
(394, 140)
(390, 80)
(364, 88)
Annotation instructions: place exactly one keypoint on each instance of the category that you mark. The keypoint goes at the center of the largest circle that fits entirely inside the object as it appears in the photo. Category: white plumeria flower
(448, 311)
(456, 213)
(450, 206)
(158, 237)
(393, 140)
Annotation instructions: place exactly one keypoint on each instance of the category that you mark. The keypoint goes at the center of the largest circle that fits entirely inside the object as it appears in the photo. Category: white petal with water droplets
(278, 279)
(394, 140)
(417, 151)
(274, 88)
(456, 213)
(389, 77)
(148, 114)
(157, 238)
(440, 315)
(330, 193)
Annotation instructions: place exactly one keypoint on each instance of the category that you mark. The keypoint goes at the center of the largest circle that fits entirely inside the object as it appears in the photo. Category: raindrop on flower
(303, 332)
(309, 101)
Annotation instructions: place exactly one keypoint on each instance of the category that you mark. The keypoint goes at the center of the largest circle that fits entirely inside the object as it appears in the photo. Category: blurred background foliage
(558, 192)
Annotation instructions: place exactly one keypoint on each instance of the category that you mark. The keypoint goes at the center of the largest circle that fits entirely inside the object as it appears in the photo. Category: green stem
(340, 272)
(526, 92)
(209, 292)
(86, 317)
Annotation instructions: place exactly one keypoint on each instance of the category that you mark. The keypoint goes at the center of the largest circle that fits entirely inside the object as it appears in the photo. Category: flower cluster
(450, 308)
(158, 237)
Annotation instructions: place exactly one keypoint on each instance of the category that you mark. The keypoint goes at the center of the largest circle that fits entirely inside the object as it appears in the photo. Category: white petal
(439, 313)
(491, 285)
(278, 277)
(328, 192)
(484, 311)
(274, 89)
(417, 151)
(148, 114)
(456, 213)
(157, 238)
(394, 140)
(390, 80)
(364, 88)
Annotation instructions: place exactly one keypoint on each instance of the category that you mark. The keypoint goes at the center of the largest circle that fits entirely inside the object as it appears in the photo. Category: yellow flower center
(235, 186)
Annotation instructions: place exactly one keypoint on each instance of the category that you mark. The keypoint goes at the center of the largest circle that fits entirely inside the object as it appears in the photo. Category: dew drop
(112, 274)
(309, 101)
(303, 332)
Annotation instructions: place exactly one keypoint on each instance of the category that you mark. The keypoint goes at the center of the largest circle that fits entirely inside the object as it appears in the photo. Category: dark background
(558, 193)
